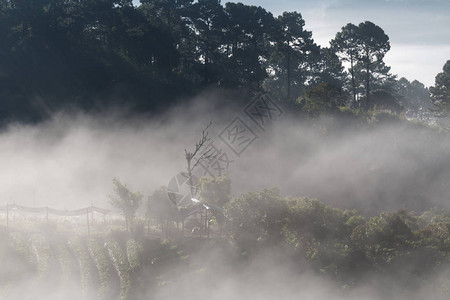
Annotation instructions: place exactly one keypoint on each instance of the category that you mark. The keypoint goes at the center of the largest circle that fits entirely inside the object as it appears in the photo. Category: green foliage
(340, 243)
(126, 201)
(386, 235)
(100, 260)
(67, 264)
(19, 244)
(256, 217)
(323, 236)
(383, 100)
(134, 250)
(16, 258)
(85, 266)
(321, 99)
(363, 118)
(41, 250)
(121, 265)
(215, 190)
(433, 216)
(312, 220)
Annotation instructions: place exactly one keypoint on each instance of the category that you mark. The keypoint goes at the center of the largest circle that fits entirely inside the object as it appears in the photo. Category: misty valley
(181, 149)
(380, 233)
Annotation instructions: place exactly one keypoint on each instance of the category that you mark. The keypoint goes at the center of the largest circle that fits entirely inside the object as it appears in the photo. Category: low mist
(69, 161)
(212, 273)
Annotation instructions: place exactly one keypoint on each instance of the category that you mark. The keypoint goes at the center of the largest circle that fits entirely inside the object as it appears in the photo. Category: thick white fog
(69, 161)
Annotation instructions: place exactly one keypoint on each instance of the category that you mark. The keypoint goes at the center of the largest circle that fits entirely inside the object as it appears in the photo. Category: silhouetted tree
(249, 31)
(440, 92)
(345, 44)
(197, 156)
(162, 210)
(374, 44)
(208, 18)
(328, 69)
(413, 96)
(364, 46)
(293, 58)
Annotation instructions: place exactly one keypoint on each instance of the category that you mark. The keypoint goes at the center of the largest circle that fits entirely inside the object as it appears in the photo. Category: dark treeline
(97, 54)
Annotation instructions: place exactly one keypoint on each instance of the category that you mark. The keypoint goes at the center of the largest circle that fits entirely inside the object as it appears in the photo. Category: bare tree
(190, 155)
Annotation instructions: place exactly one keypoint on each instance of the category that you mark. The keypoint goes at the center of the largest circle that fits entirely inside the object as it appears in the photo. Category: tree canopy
(440, 92)
(364, 47)
(95, 55)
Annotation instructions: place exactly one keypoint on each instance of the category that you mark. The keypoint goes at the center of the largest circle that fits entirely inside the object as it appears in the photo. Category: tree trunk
(352, 71)
(367, 83)
(191, 184)
(367, 77)
(288, 74)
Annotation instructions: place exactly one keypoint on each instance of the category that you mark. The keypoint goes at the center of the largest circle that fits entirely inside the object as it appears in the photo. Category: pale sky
(419, 30)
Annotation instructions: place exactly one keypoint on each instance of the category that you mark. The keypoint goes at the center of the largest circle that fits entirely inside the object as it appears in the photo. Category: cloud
(418, 31)
(404, 21)
(422, 62)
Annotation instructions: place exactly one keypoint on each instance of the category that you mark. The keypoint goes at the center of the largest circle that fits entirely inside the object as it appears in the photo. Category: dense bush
(340, 243)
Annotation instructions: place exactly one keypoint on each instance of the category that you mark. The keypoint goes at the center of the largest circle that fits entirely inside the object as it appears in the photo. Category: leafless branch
(205, 155)
(190, 155)
(198, 146)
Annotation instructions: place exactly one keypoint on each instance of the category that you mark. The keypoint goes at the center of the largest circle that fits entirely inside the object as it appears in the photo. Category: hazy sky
(419, 30)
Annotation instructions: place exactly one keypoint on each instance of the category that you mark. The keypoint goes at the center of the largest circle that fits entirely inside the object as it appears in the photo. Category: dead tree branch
(204, 156)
